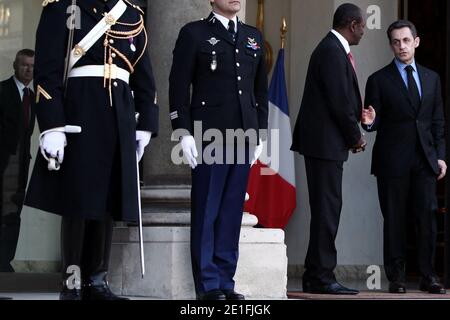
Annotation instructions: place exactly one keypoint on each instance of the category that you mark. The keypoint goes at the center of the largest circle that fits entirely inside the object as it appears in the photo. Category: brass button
(115, 84)
(239, 78)
(240, 92)
(111, 41)
(237, 50)
(113, 55)
(238, 64)
(203, 103)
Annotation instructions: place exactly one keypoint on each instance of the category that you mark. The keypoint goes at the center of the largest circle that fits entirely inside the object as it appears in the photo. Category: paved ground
(294, 292)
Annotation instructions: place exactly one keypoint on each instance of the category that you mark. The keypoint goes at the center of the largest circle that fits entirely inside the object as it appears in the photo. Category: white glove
(257, 153)
(142, 140)
(53, 143)
(189, 150)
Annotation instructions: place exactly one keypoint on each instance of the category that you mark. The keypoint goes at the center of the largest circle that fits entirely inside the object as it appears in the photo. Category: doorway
(432, 19)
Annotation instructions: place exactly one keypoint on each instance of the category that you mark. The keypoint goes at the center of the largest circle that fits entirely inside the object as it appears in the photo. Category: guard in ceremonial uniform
(222, 59)
(91, 177)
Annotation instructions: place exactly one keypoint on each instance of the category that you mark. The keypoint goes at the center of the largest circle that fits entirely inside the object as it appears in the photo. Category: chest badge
(252, 44)
(213, 41)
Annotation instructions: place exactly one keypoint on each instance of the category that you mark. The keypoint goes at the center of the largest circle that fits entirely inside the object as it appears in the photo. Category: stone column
(166, 199)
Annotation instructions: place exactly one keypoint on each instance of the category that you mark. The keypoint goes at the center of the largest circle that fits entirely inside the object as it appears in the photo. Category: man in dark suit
(326, 130)
(222, 59)
(405, 108)
(16, 127)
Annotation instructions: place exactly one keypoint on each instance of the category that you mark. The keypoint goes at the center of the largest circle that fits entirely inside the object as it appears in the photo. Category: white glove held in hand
(142, 140)
(53, 144)
(189, 150)
(257, 153)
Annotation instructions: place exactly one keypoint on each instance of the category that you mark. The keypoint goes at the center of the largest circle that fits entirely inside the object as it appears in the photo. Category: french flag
(273, 196)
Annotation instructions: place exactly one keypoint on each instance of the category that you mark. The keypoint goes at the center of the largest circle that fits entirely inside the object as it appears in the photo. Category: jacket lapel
(219, 30)
(344, 53)
(397, 79)
(15, 94)
(425, 84)
(241, 37)
(336, 40)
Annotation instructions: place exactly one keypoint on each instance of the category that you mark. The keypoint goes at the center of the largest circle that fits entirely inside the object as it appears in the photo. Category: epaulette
(248, 26)
(47, 2)
(134, 6)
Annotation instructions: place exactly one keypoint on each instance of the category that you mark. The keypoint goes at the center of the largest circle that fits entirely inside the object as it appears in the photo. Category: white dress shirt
(342, 40)
(20, 86)
(225, 21)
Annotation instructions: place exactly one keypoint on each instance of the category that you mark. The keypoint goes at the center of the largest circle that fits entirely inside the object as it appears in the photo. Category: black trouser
(86, 244)
(413, 194)
(4, 158)
(9, 235)
(325, 199)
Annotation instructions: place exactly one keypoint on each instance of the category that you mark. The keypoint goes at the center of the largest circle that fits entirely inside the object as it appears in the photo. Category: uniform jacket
(400, 127)
(98, 175)
(327, 124)
(234, 96)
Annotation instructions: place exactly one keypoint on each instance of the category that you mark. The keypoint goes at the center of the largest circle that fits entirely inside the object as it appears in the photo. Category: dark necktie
(231, 29)
(26, 101)
(413, 91)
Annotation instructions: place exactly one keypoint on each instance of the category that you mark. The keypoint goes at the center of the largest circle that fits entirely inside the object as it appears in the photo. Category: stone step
(182, 218)
(164, 198)
(165, 194)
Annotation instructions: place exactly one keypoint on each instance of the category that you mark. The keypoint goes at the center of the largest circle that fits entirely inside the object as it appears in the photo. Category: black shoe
(211, 295)
(397, 287)
(233, 295)
(70, 294)
(5, 298)
(100, 292)
(432, 285)
(334, 288)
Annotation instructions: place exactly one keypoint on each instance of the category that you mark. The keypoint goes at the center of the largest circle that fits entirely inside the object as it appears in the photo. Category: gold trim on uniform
(134, 6)
(110, 71)
(109, 19)
(46, 2)
(78, 51)
(40, 91)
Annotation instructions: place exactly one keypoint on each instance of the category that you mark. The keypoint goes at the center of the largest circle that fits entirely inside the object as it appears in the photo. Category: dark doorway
(432, 19)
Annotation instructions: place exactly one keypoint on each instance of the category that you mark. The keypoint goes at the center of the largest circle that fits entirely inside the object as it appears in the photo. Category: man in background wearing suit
(326, 130)
(405, 108)
(16, 127)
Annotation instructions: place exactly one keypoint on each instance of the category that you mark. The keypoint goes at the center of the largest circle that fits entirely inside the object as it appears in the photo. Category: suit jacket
(234, 96)
(327, 124)
(400, 128)
(11, 117)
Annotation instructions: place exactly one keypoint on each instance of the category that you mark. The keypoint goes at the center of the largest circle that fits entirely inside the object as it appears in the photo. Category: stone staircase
(262, 266)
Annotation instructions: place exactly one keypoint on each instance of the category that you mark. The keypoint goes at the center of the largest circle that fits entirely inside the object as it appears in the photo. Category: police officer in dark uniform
(109, 81)
(222, 59)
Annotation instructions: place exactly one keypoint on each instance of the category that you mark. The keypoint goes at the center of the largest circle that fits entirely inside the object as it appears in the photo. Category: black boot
(95, 261)
(72, 235)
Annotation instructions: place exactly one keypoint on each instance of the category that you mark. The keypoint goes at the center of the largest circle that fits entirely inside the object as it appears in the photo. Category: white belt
(101, 71)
